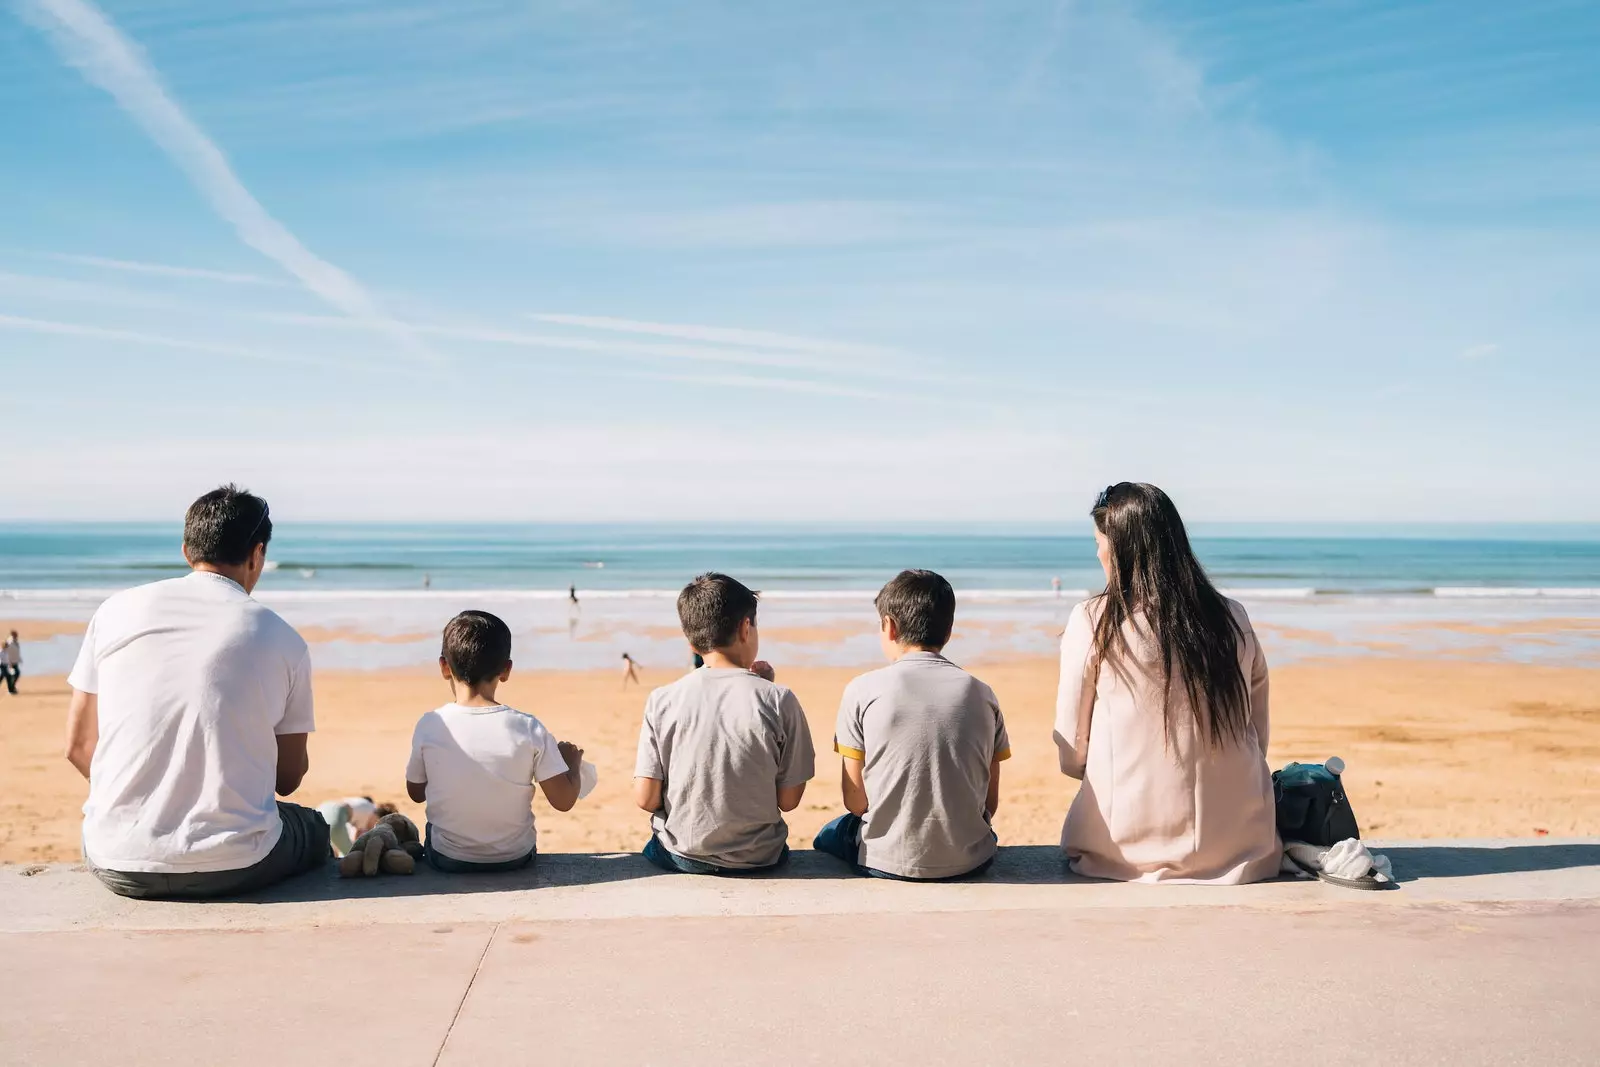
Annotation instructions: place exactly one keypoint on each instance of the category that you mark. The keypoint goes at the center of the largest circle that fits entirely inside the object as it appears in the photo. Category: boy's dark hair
(710, 609)
(224, 526)
(922, 605)
(477, 646)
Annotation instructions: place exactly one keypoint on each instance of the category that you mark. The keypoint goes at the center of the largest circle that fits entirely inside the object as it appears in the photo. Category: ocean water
(813, 561)
(377, 595)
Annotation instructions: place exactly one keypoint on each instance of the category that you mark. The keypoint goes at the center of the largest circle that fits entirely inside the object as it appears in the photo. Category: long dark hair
(1155, 579)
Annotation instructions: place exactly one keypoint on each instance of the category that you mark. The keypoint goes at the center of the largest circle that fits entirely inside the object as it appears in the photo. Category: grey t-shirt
(926, 732)
(722, 742)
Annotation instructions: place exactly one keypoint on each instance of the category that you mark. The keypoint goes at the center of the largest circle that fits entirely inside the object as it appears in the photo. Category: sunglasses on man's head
(266, 510)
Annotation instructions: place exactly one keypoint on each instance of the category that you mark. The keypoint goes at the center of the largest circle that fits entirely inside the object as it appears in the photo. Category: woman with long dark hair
(1162, 712)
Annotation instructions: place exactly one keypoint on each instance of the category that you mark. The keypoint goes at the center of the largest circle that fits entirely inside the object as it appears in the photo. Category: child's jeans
(447, 865)
(670, 861)
(841, 839)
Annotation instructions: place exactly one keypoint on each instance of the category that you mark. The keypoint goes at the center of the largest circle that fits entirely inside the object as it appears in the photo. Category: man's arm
(647, 794)
(789, 796)
(992, 804)
(417, 791)
(853, 786)
(83, 729)
(293, 762)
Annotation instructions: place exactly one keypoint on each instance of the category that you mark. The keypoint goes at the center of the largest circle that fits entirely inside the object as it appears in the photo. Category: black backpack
(1312, 806)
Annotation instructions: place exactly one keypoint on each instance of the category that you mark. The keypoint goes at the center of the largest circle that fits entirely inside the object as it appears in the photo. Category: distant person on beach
(351, 817)
(427, 581)
(475, 761)
(1055, 585)
(723, 751)
(630, 671)
(572, 595)
(921, 742)
(11, 662)
(191, 707)
(1162, 712)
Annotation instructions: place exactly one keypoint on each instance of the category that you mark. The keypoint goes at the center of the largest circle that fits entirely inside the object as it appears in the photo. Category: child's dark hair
(922, 605)
(477, 646)
(710, 609)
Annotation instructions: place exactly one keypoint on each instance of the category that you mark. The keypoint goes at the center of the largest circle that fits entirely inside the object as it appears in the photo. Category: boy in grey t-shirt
(723, 751)
(921, 742)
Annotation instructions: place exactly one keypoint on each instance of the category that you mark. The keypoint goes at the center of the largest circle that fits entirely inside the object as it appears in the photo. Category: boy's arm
(561, 789)
(798, 762)
(789, 796)
(647, 794)
(649, 769)
(416, 768)
(852, 785)
(992, 804)
(849, 741)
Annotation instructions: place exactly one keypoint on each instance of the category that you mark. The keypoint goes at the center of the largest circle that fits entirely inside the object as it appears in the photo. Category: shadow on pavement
(1454, 861)
(1015, 865)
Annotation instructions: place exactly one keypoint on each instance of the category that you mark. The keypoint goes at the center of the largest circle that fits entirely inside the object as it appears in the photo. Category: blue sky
(595, 260)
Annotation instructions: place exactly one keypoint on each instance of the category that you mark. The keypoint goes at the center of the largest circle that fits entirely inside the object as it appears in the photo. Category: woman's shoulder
(1240, 616)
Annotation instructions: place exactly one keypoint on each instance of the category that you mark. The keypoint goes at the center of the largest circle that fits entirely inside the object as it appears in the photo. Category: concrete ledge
(623, 886)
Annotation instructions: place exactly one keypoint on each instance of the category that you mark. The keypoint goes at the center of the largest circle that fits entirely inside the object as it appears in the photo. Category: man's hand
(761, 668)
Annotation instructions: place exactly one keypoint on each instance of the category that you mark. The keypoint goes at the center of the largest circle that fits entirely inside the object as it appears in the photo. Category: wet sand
(1436, 748)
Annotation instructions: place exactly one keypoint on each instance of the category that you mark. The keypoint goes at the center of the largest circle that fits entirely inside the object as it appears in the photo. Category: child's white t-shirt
(480, 765)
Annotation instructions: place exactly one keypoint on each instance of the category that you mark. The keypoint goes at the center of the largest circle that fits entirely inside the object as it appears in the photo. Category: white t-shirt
(195, 681)
(480, 765)
(11, 654)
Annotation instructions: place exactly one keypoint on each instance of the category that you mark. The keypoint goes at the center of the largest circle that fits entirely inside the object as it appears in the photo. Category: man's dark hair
(477, 647)
(224, 526)
(922, 605)
(710, 609)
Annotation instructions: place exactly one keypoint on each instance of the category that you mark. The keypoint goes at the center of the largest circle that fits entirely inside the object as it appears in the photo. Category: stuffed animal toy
(391, 846)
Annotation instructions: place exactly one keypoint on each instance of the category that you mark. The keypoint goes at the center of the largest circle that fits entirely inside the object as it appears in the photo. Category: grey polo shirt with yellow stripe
(926, 732)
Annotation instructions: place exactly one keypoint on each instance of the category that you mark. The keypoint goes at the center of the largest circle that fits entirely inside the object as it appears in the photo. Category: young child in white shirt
(475, 761)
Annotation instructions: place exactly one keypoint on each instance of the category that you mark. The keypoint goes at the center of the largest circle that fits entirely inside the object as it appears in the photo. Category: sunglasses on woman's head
(1104, 499)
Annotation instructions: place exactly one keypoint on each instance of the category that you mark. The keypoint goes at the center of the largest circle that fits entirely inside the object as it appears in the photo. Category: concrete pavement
(1490, 953)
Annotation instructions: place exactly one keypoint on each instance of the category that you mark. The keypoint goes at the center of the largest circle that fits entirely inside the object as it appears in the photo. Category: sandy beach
(1435, 747)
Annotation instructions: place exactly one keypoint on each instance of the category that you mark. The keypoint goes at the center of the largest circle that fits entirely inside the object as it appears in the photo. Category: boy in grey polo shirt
(723, 751)
(921, 741)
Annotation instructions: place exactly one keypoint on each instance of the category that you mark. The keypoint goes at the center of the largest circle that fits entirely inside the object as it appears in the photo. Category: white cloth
(195, 681)
(588, 778)
(1348, 859)
(480, 765)
(359, 806)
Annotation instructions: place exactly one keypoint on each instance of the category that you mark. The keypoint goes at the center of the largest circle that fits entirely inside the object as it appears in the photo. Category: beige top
(1150, 811)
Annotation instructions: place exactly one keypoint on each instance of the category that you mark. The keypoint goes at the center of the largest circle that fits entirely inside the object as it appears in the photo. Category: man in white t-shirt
(191, 707)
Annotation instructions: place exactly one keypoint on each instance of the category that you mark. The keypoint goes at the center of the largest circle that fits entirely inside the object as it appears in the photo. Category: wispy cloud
(720, 335)
(165, 270)
(120, 336)
(88, 40)
(1481, 351)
